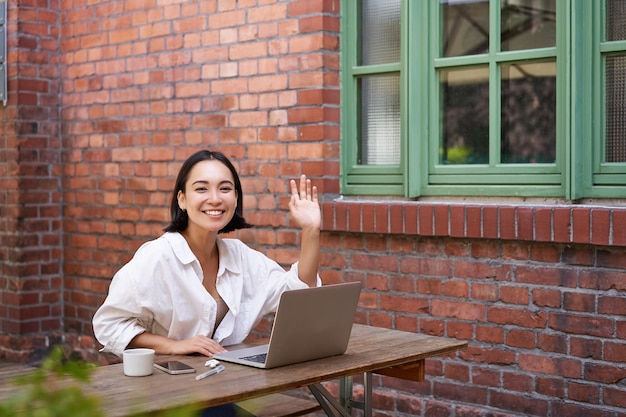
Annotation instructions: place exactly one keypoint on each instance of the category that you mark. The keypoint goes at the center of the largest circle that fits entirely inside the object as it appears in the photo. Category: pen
(213, 371)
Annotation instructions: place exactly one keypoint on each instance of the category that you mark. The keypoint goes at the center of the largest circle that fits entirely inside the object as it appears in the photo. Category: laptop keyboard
(256, 358)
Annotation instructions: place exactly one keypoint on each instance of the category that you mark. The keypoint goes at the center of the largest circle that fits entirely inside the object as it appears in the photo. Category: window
(484, 97)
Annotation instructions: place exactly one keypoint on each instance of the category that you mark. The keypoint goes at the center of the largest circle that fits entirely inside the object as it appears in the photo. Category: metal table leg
(345, 403)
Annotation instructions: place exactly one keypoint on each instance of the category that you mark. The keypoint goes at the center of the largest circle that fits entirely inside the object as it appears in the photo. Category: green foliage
(43, 395)
(53, 390)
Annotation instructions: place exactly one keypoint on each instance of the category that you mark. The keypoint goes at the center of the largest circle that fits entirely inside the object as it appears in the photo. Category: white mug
(138, 362)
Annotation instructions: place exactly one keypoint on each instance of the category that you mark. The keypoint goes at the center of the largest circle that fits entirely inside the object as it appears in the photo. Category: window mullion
(494, 84)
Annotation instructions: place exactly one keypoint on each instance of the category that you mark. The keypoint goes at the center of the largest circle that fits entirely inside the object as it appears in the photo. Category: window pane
(615, 20)
(528, 112)
(465, 116)
(615, 110)
(527, 24)
(380, 31)
(465, 27)
(379, 99)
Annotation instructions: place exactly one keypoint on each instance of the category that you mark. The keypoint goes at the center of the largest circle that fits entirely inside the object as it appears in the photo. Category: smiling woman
(191, 291)
(210, 199)
(180, 217)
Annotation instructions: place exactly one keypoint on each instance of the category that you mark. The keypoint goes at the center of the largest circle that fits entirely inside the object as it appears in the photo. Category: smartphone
(174, 367)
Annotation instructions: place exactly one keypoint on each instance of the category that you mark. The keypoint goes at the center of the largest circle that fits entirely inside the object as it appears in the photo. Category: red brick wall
(108, 98)
(30, 184)
(538, 292)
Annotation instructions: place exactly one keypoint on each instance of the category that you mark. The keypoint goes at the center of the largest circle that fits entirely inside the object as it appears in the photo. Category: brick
(543, 224)
(562, 225)
(489, 334)
(581, 324)
(375, 262)
(615, 396)
(546, 298)
(267, 13)
(514, 295)
(486, 292)
(410, 219)
(617, 230)
(507, 223)
(605, 374)
(267, 83)
(600, 226)
(525, 223)
(425, 266)
(579, 302)
(479, 270)
(457, 221)
(581, 225)
(552, 342)
(403, 304)
(615, 352)
(396, 219)
(250, 118)
(513, 381)
(459, 310)
(227, 19)
(563, 277)
(460, 330)
(457, 289)
(184, 90)
(381, 216)
(586, 348)
(474, 222)
(425, 224)
(521, 339)
(578, 255)
(368, 218)
(354, 216)
(517, 316)
(519, 404)
(611, 305)
(491, 355)
(564, 367)
(609, 259)
(484, 249)
(441, 220)
(426, 286)
(209, 120)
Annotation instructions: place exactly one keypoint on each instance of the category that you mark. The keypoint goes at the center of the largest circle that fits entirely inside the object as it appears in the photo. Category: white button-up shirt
(160, 291)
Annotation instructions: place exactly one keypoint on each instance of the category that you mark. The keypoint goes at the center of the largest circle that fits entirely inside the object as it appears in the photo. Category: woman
(190, 291)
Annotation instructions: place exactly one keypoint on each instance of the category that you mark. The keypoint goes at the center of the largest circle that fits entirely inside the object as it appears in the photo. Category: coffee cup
(138, 362)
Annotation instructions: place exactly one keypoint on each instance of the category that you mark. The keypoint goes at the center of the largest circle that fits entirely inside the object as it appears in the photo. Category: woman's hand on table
(196, 344)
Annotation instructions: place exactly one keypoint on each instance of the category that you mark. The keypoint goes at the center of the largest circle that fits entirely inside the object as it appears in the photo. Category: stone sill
(562, 223)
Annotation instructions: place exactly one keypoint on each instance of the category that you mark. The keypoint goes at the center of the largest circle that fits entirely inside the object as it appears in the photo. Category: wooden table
(371, 350)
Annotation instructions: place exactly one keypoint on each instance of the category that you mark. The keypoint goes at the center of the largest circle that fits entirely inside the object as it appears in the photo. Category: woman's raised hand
(304, 207)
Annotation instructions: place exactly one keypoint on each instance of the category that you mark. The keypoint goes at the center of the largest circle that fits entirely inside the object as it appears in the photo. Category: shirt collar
(180, 247)
(227, 259)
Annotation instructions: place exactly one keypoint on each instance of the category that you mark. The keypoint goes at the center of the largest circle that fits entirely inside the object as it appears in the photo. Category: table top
(370, 349)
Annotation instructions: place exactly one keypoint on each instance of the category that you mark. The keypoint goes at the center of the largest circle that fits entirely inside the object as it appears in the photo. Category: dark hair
(180, 219)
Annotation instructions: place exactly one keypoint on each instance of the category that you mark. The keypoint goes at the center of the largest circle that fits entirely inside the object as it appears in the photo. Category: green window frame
(602, 176)
(582, 74)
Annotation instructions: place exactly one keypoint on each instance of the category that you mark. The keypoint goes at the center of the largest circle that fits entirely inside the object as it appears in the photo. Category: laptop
(310, 323)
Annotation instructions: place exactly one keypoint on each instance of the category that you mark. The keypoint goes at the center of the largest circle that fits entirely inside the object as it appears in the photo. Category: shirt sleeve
(279, 280)
(122, 317)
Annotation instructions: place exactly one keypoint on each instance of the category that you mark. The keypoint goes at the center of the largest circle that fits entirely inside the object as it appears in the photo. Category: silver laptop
(310, 323)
